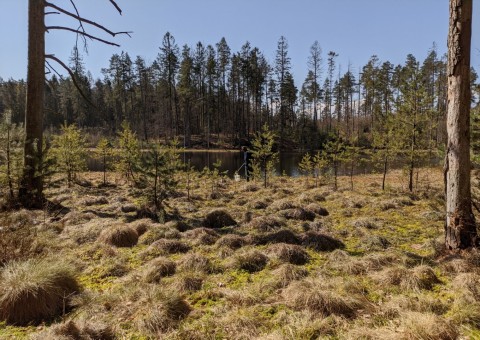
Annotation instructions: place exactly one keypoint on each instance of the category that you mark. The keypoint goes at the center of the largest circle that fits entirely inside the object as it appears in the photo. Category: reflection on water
(232, 161)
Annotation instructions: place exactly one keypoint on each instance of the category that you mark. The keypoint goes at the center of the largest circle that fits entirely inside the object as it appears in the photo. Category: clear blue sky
(355, 29)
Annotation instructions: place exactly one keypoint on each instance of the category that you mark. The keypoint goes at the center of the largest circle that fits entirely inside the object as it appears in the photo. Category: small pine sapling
(69, 152)
(263, 152)
(306, 166)
(128, 153)
(11, 154)
(105, 153)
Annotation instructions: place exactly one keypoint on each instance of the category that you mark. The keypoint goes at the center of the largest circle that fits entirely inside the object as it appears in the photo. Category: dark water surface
(288, 162)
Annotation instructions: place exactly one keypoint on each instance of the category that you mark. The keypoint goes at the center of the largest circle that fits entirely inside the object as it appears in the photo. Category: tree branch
(87, 21)
(116, 6)
(70, 72)
(81, 33)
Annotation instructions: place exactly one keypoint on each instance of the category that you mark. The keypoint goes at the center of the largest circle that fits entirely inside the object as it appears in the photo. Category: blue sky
(355, 29)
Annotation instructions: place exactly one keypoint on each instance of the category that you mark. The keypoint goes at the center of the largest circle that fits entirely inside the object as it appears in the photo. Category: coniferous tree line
(209, 93)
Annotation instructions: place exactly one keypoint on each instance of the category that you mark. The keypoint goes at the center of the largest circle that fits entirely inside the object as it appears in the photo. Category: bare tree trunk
(31, 188)
(460, 228)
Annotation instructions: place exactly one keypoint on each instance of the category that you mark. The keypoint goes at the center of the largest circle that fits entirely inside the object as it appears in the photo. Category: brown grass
(290, 253)
(266, 223)
(159, 268)
(188, 282)
(321, 242)
(281, 236)
(317, 209)
(164, 246)
(298, 214)
(119, 236)
(250, 261)
(218, 219)
(287, 273)
(166, 310)
(195, 262)
(79, 331)
(231, 241)
(312, 296)
(35, 290)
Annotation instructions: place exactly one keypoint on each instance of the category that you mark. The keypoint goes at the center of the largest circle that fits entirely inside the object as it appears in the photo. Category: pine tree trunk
(30, 192)
(460, 228)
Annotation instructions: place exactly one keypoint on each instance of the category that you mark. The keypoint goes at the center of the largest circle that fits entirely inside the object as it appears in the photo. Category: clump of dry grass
(119, 236)
(164, 246)
(266, 223)
(365, 222)
(287, 273)
(427, 326)
(35, 290)
(469, 285)
(188, 282)
(298, 214)
(158, 232)
(250, 261)
(79, 331)
(159, 268)
(165, 311)
(321, 242)
(416, 279)
(374, 242)
(77, 217)
(178, 225)
(142, 226)
(258, 204)
(283, 204)
(16, 240)
(231, 241)
(280, 236)
(195, 262)
(128, 208)
(94, 200)
(218, 219)
(317, 209)
(250, 187)
(313, 296)
(290, 253)
(202, 235)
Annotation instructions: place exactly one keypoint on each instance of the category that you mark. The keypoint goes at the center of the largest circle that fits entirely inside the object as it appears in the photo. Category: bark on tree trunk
(30, 193)
(460, 228)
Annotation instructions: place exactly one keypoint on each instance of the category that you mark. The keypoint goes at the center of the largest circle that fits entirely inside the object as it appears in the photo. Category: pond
(231, 161)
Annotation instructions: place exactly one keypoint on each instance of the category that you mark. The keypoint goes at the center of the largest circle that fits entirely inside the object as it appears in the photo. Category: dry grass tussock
(35, 290)
(17, 240)
(188, 282)
(157, 232)
(250, 260)
(321, 242)
(218, 219)
(79, 331)
(231, 241)
(427, 326)
(163, 311)
(202, 235)
(287, 273)
(195, 262)
(290, 253)
(282, 204)
(314, 296)
(164, 246)
(267, 223)
(298, 214)
(158, 268)
(317, 209)
(280, 236)
(119, 236)
(415, 279)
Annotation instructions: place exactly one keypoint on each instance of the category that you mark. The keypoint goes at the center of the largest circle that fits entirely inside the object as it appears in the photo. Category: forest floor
(296, 262)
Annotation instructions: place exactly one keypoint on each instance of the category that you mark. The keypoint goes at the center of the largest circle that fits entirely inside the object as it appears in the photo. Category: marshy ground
(291, 261)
